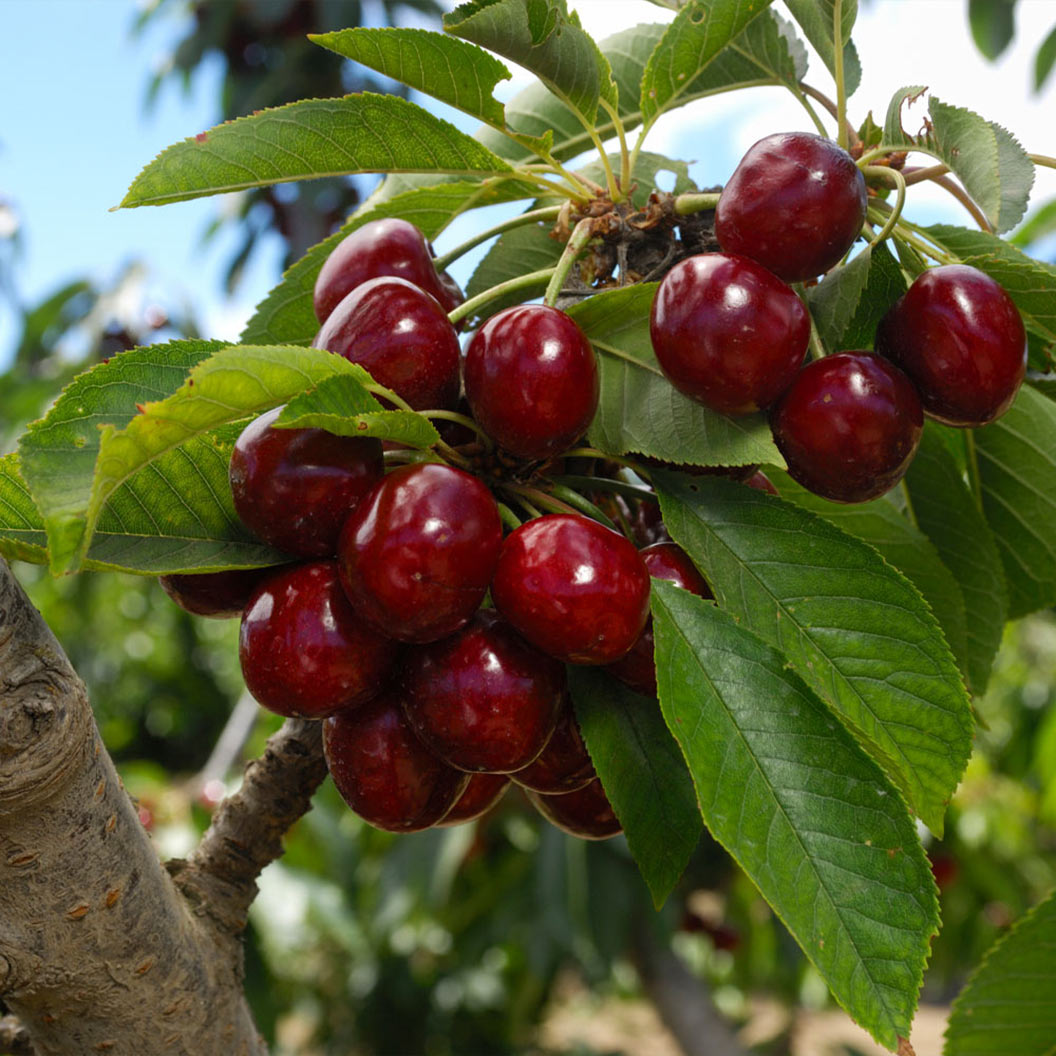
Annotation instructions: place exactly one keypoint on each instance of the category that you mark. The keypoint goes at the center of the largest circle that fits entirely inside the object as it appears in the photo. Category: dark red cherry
(401, 336)
(381, 247)
(586, 813)
(481, 794)
(961, 340)
(218, 595)
(532, 380)
(795, 203)
(294, 488)
(304, 651)
(384, 773)
(664, 561)
(574, 588)
(849, 426)
(564, 764)
(483, 699)
(418, 554)
(761, 482)
(727, 332)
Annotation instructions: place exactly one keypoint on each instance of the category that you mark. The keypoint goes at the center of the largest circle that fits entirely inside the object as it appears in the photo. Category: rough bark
(100, 950)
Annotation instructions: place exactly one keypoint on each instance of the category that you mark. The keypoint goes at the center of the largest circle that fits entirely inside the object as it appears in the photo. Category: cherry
(481, 794)
(384, 773)
(418, 553)
(586, 813)
(483, 699)
(849, 426)
(218, 595)
(961, 340)
(564, 764)
(664, 561)
(401, 336)
(574, 588)
(727, 332)
(294, 488)
(531, 380)
(304, 650)
(381, 247)
(795, 203)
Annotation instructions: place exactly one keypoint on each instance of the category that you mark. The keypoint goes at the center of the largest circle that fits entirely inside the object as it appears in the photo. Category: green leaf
(1030, 283)
(1040, 224)
(946, 513)
(643, 774)
(543, 37)
(855, 629)
(806, 813)
(286, 315)
(58, 453)
(993, 24)
(305, 140)
(450, 70)
(696, 36)
(851, 300)
(816, 18)
(341, 405)
(995, 170)
(1017, 470)
(640, 412)
(903, 546)
(1009, 1003)
(1044, 60)
(21, 527)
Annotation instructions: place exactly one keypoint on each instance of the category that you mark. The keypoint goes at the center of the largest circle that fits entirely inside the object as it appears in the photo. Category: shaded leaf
(1040, 224)
(854, 628)
(816, 18)
(993, 24)
(1044, 60)
(643, 774)
(806, 813)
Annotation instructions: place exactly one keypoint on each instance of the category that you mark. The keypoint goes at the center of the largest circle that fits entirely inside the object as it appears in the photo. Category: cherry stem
(387, 394)
(583, 505)
(616, 487)
(401, 455)
(593, 452)
(466, 308)
(918, 175)
(1044, 160)
(549, 212)
(508, 517)
(461, 419)
(834, 110)
(896, 211)
(695, 202)
(581, 235)
(837, 72)
(627, 357)
(625, 154)
(801, 98)
(538, 498)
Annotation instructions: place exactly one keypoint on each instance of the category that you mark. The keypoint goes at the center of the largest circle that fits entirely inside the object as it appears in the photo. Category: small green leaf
(305, 140)
(643, 774)
(1040, 224)
(1009, 1003)
(946, 513)
(817, 18)
(1044, 60)
(806, 813)
(450, 70)
(699, 32)
(854, 628)
(640, 412)
(341, 405)
(543, 37)
(993, 24)
(1017, 469)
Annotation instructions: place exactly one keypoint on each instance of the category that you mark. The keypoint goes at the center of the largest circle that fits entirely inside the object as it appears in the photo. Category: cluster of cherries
(433, 699)
(729, 331)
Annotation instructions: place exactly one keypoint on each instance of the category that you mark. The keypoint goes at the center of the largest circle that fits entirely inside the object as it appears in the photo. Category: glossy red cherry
(483, 699)
(586, 813)
(532, 380)
(381, 247)
(294, 488)
(304, 651)
(401, 336)
(418, 554)
(961, 340)
(849, 426)
(664, 561)
(384, 773)
(481, 794)
(574, 588)
(564, 764)
(218, 595)
(727, 332)
(795, 204)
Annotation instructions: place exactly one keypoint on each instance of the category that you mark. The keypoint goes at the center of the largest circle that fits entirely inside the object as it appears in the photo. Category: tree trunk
(101, 949)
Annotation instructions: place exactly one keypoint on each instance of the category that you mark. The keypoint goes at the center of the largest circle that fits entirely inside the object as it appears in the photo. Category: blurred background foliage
(459, 941)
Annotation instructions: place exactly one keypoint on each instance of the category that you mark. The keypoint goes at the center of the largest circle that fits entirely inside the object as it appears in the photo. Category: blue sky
(74, 132)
